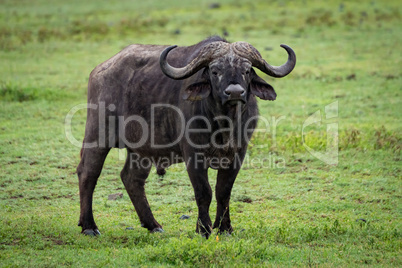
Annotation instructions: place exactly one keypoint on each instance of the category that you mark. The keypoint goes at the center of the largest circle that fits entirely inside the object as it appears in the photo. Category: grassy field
(291, 210)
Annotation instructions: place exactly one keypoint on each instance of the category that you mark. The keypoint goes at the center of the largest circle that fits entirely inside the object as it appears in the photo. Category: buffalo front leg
(133, 176)
(223, 190)
(88, 171)
(198, 174)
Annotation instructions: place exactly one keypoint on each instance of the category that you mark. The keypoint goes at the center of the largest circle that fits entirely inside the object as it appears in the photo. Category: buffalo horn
(249, 52)
(203, 58)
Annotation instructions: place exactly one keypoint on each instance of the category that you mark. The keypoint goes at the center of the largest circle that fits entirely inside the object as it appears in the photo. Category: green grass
(289, 210)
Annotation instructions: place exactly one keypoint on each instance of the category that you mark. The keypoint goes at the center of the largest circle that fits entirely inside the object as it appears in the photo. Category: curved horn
(204, 56)
(249, 52)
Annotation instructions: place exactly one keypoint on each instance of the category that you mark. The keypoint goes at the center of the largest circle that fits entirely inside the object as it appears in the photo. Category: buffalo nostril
(234, 90)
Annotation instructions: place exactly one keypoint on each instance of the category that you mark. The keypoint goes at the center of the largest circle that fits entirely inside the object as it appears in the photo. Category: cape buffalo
(201, 112)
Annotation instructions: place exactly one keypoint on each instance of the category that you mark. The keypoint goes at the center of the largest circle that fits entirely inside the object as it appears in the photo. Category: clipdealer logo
(328, 117)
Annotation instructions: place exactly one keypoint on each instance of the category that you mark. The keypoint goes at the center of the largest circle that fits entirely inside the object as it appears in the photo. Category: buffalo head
(228, 72)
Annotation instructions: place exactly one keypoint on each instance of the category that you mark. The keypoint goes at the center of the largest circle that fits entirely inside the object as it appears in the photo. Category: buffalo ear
(261, 89)
(197, 91)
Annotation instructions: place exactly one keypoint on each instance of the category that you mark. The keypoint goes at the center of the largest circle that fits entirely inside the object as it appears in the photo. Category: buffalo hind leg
(88, 171)
(133, 177)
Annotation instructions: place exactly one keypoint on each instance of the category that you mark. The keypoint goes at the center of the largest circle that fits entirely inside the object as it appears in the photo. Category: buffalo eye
(215, 73)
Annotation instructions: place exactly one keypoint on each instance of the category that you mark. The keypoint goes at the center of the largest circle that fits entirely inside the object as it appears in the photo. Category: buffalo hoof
(91, 232)
(205, 235)
(157, 230)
